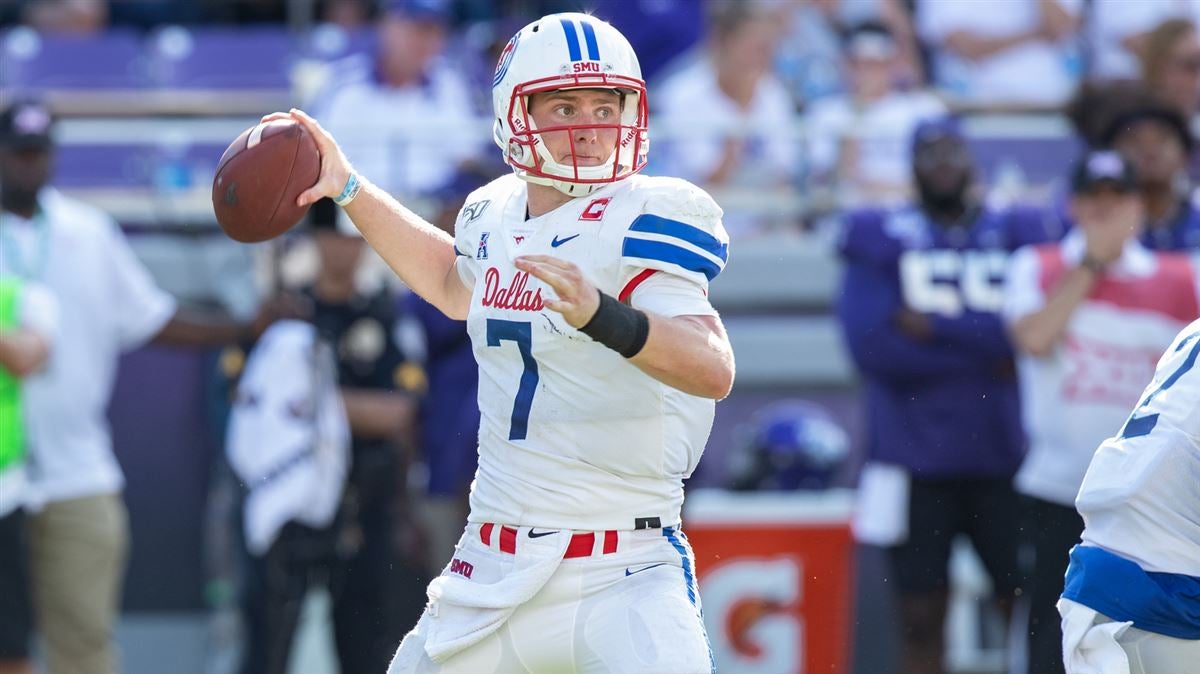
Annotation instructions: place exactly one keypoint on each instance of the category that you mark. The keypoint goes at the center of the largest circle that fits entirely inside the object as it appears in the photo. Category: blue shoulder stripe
(459, 252)
(699, 238)
(589, 37)
(572, 39)
(666, 252)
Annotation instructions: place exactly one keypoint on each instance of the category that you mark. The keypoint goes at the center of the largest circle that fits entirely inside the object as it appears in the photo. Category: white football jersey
(572, 435)
(1141, 496)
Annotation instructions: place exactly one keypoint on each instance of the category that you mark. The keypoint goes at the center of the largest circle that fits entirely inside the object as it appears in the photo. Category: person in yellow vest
(28, 321)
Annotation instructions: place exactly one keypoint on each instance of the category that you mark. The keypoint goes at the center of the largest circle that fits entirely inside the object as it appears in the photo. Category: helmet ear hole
(518, 151)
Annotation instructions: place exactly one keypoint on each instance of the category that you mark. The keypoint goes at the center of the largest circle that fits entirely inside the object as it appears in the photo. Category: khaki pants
(78, 551)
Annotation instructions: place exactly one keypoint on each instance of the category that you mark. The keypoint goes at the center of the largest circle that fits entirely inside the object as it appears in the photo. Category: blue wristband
(351, 190)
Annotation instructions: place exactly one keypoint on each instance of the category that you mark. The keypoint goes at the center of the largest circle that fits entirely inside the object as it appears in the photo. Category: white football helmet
(568, 51)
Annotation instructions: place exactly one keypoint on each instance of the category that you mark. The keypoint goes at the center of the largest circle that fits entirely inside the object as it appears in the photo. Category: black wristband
(619, 327)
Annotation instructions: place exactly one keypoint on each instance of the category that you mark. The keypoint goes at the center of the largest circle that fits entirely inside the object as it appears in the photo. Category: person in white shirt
(860, 143)
(732, 121)
(28, 323)
(1131, 604)
(999, 52)
(584, 287)
(108, 305)
(1088, 317)
(386, 108)
(1117, 31)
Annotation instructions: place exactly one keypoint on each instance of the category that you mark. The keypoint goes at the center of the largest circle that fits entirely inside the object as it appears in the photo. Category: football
(259, 178)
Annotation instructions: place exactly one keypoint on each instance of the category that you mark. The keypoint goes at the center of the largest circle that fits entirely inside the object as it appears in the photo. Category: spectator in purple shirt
(920, 305)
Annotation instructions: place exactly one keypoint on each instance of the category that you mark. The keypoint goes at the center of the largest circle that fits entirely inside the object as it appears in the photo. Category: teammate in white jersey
(585, 291)
(1131, 604)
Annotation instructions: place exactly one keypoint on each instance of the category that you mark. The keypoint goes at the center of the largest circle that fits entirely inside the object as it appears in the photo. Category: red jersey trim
(634, 282)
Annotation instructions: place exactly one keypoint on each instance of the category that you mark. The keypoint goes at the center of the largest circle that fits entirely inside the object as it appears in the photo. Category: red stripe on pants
(610, 542)
(508, 540)
(581, 545)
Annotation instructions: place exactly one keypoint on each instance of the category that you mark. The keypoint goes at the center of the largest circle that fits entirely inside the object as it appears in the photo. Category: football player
(1131, 604)
(584, 287)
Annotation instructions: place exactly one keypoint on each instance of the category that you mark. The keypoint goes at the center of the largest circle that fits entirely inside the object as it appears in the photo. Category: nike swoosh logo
(644, 568)
(558, 242)
(539, 534)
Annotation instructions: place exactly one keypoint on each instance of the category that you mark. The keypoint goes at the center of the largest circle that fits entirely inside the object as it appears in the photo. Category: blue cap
(937, 128)
(431, 11)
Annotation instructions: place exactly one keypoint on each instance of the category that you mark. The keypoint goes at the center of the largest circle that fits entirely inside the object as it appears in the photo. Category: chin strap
(566, 187)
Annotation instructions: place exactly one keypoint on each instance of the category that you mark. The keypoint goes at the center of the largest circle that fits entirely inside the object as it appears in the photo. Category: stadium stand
(146, 117)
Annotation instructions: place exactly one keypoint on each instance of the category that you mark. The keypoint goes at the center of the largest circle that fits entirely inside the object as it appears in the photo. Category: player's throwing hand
(335, 168)
(577, 300)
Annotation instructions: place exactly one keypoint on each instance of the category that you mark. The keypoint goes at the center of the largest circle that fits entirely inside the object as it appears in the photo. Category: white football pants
(634, 610)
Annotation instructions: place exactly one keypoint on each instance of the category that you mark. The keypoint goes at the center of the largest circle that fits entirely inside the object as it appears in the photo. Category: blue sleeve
(870, 297)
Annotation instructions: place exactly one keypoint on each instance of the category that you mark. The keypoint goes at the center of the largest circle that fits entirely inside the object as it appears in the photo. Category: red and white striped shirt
(1080, 394)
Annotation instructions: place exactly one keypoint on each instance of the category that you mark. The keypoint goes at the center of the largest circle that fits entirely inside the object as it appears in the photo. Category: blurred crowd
(998, 341)
(813, 99)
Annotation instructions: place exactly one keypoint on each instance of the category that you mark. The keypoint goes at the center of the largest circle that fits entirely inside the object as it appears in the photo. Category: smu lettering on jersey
(1140, 498)
(944, 407)
(572, 435)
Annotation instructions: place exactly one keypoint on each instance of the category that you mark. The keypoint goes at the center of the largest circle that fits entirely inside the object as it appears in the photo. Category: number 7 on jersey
(520, 332)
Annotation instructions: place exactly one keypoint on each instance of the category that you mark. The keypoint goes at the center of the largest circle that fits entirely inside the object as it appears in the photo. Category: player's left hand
(577, 300)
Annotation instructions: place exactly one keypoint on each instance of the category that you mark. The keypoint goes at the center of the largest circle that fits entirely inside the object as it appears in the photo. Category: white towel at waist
(1088, 647)
(462, 611)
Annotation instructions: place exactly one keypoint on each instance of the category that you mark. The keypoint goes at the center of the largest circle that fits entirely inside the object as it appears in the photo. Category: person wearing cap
(1089, 317)
(405, 113)
(371, 556)
(919, 307)
(109, 304)
(1157, 141)
(858, 144)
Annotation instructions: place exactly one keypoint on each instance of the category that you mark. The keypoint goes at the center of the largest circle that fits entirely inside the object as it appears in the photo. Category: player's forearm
(1038, 333)
(690, 353)
(421, 255)
(22, 352)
